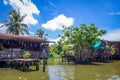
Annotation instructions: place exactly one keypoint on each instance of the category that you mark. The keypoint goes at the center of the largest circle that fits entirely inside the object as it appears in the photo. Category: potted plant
(26, 54)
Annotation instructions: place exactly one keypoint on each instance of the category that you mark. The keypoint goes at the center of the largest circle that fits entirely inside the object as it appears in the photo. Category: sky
(51, 15)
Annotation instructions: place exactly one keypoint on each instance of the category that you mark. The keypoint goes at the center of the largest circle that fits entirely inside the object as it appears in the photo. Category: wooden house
(117, 49)
(11, 46)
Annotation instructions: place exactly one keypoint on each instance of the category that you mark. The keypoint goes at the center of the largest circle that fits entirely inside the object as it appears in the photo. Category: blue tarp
(97, 45)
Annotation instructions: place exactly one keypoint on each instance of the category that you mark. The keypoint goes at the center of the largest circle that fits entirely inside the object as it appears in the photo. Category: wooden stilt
(23, 69)
(44, 65)
(37, 65)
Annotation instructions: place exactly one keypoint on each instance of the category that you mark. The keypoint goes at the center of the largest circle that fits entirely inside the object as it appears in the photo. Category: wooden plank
(26, 60)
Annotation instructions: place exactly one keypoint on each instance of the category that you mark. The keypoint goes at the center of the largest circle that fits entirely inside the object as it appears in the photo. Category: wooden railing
(17, 53)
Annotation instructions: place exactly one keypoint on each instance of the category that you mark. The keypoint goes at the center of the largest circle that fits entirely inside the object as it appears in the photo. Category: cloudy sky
(50, 15)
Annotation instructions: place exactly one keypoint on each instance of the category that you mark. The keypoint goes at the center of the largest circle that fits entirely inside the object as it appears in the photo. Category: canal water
(101, 71)
(61, 72)
(95, 71)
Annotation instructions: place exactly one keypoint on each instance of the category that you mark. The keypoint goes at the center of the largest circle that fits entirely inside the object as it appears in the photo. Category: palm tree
(40, 33)
(15, 23)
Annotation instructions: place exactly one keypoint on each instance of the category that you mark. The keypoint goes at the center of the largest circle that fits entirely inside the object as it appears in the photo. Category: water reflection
(115, 77)
(61, 72)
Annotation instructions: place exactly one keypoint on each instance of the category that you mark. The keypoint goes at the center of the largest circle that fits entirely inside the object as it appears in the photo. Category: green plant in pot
(26, 54)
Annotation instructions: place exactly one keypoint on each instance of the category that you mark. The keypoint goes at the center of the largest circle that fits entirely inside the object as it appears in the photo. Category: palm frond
(15, 23)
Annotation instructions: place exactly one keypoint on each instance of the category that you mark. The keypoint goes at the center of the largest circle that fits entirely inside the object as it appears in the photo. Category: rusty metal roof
(21, 38)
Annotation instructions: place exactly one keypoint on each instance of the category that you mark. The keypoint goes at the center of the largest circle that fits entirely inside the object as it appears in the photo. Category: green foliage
(65, 48)
(26, 54)
(40, 33)
(81, 37)
(112, 50)
(54, 61)
(53, 51)
(15, 23)
(59, 48)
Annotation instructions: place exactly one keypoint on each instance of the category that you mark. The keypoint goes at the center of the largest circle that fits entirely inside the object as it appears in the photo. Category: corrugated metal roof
(21, 38)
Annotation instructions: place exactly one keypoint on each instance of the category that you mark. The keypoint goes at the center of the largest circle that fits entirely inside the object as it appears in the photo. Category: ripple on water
(61, 72)
(115, 77)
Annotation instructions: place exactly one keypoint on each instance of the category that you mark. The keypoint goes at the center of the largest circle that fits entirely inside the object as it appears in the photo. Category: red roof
(20, 38)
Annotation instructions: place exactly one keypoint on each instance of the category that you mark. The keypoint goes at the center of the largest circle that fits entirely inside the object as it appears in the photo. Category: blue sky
(50, 15)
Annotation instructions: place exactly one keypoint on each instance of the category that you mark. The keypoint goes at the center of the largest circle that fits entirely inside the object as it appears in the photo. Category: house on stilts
(13, 47)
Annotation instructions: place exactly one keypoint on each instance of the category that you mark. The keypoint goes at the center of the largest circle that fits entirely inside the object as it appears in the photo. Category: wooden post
(68, 59)
(0, 56)
(23, 69)
(43, 64)
(43, 60)
(11, 51)
(12, 64)
(111, 58)
(37, 65)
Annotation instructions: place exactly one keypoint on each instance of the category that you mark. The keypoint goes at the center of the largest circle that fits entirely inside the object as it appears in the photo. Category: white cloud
(26, 7)
(32, 33)
(5, 2)
(2, 29)
(112, 35)
(53, 5)
(54, 40)
(58, 22)
(114, 13)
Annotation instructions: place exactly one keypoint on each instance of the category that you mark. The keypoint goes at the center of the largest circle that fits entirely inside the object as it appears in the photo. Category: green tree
(81, 38)
(53, 50)
(15, 23)
(41, 34)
